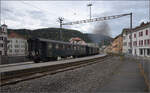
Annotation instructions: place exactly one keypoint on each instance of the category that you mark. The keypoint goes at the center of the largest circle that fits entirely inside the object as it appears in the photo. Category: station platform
(127, 78)
(29, 65)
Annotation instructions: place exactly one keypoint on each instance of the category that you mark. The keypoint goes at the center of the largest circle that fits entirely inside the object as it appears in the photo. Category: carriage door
(43, 49)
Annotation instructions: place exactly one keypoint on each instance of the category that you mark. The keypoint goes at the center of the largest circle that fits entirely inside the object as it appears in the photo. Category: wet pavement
(127, 79)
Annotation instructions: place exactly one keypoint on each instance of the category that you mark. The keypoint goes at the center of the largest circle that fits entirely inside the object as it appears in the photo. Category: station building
(138, 42)
(3, 39)
(17, 45)
(12, 44)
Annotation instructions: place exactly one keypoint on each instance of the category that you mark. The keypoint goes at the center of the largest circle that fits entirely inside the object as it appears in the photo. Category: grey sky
(43, 14)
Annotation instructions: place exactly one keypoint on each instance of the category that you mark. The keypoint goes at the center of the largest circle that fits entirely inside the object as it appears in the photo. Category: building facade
(17, 45)
(138, 42)
(77, 40)
(12, 44)
(3, 39)
(116, 45)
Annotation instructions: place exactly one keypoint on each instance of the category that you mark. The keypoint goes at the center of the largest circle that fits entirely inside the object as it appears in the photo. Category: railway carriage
(46, 50)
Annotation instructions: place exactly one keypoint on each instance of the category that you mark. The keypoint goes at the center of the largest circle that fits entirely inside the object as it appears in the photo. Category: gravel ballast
(81, 80)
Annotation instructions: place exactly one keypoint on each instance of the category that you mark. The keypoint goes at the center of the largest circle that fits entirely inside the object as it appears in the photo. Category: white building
(140, 39)
(3, 39)
(12, 44)
(17, 45)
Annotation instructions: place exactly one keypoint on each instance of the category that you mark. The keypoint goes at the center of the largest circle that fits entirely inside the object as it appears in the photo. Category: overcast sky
(43, 14)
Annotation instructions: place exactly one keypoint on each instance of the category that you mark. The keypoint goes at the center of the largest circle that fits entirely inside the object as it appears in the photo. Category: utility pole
(60, 19)
(131, 32)
(90, 5)
(0, 14)
(149, 10)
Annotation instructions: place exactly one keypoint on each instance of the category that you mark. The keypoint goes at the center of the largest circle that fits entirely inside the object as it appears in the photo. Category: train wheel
(36, 61)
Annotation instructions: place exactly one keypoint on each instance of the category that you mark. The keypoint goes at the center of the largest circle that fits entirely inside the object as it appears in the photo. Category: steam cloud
(101, 32)
(102, 29)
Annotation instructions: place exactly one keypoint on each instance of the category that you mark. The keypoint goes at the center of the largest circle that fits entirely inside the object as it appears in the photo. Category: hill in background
(53, 33)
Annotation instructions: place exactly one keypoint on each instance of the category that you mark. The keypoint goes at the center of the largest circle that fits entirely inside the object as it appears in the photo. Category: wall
(14, 59)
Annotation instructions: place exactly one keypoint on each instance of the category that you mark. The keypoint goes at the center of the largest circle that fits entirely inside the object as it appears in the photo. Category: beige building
(116, 45)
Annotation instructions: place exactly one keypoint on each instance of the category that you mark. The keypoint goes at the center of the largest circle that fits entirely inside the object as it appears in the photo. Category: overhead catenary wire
(97, 19)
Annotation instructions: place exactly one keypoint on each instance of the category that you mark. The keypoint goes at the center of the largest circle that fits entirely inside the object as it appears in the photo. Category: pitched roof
(15, 35)
(137, 28)
(76, 39)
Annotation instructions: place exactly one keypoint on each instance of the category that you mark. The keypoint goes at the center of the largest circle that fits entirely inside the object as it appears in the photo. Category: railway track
(13, 78)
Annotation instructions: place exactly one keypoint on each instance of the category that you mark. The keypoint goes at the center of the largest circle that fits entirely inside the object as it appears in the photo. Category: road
(89, 79)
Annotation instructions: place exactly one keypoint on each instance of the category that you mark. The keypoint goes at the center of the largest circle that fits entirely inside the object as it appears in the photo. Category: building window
(129, 36)
(134, 35)
(148, 51)
(141, 33)
(129, 44)
(10, 50)
(1, 45)
(124, 37)
(144, 42)
(16, 46)
(148, 41)
(2, 29)
(146, 32)
(16, 41)
(0, 52)
(141, 42)
(135, 51)
(1, 38)
(141, 51)
(135, 43)
(125, 44)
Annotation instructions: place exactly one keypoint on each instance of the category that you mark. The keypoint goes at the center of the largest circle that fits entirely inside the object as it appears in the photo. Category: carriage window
(60, 46)
(66, 47)
(63, 46)
(79, 47)
(74, 47)
(69, 47)
(50, 45)
(57, 46)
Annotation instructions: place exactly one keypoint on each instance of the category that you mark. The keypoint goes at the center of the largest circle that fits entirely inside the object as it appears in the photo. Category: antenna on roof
(4, 21)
